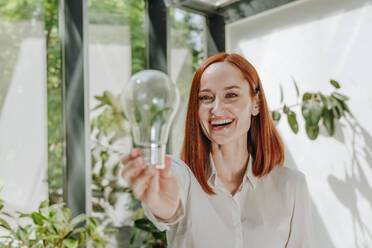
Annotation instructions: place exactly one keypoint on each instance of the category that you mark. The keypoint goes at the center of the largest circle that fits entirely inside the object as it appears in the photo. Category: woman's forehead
(222, 75)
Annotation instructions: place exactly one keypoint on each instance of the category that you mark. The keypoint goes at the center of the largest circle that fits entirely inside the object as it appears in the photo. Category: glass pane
(116, 50)
(23, 105)
(54, 102)
(186, 53)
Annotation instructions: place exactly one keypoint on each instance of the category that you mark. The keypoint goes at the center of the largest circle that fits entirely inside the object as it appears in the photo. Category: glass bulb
(150, 101)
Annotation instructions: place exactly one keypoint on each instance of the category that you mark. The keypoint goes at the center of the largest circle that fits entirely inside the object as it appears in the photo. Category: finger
(153, 187)
(132, 155)
(141, 183)
(167, 171)
(133, 169)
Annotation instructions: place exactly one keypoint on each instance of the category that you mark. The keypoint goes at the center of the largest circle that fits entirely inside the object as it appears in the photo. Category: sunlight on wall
(313, 42)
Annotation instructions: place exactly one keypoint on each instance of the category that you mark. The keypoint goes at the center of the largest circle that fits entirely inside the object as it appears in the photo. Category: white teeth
(221, 122)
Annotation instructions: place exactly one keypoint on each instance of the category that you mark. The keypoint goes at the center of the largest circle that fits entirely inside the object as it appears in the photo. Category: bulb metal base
(154, 154)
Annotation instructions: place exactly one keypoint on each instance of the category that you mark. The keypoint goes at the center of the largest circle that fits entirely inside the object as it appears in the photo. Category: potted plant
(50, 227)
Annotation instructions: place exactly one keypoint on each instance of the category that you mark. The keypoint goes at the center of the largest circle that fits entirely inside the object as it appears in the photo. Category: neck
(230, 160)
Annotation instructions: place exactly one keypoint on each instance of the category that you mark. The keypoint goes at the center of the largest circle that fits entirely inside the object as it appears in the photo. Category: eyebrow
(226, 88)
(232, 87)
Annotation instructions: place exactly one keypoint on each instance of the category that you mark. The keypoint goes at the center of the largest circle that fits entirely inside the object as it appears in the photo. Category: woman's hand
(158, 189)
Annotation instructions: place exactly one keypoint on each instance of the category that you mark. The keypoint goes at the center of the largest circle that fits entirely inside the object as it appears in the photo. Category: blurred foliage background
(109, 124)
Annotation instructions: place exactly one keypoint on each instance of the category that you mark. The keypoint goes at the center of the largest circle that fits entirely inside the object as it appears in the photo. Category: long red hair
(264, 142)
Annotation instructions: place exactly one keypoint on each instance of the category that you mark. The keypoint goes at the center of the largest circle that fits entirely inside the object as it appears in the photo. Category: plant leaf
(160, 116)
(281, 93)
(115, 169)
(286, 109)
(70, 243)
(4, 223)
(296, 87)
(340, 97)
(44, 204)
(102, 170)
(93, 221)
(307, 96)
(137, 114)
(108, 230)
(37, 218)
(104, 156)
(345, 107)
(312, 111)
(312, 131)
(292, 120)
(112, 198)
(325, 100)
(328, 121)
(78, 219)
(145, 224)
(335, 83)
(276, 116)
(133, 237)
(337, 109)
(98, 106)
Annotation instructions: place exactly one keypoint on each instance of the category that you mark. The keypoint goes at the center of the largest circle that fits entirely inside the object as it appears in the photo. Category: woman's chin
(228, 138)
(221, 140)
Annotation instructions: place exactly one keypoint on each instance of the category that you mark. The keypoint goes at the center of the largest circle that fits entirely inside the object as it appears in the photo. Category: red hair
(264, 142)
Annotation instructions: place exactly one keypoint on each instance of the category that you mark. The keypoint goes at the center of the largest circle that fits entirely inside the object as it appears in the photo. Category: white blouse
(272, 211)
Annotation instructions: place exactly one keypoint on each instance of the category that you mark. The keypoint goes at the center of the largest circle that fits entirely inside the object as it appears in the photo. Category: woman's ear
(255, 105)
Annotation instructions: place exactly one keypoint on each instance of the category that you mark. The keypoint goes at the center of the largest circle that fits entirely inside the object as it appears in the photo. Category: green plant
(108, 127)
(154, 239)
(51, 227)
(317, 109)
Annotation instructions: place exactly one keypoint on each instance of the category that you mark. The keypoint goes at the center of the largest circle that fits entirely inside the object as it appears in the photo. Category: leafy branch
(317, 109)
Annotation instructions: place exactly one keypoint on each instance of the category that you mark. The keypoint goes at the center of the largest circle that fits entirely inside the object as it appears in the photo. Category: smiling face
(225, 103)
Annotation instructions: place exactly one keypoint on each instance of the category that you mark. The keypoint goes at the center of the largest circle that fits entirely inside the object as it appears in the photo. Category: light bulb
(150, 101)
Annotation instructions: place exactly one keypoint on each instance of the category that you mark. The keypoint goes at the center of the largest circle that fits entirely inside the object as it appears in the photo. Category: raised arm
(183, 177)
(158, 189)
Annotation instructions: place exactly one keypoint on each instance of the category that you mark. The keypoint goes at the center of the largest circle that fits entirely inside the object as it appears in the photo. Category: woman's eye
(231, 95)
(204, 98)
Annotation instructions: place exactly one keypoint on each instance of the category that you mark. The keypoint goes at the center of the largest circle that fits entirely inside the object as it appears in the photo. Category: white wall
(314, 41)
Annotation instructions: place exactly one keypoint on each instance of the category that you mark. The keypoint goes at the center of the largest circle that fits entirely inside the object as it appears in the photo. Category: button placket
(236, 214)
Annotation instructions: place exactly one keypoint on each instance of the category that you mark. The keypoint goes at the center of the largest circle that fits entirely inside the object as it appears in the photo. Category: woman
(231, 189)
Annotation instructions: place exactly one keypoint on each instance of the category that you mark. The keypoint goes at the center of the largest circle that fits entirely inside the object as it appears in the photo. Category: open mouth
(221, 124)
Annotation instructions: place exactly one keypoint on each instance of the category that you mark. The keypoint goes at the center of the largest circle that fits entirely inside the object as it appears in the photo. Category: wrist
(173, 216)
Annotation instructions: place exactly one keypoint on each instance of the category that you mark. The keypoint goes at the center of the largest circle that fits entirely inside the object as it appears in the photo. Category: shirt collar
(248, 176)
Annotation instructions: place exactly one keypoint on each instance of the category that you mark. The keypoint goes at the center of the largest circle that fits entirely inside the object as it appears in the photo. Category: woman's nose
(217, 107)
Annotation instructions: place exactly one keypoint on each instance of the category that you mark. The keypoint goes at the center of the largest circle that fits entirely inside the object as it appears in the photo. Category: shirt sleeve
(183, 176)
(301, 226)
